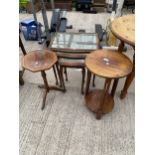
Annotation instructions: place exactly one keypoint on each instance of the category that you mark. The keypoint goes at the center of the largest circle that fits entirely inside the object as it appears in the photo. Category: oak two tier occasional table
(109, 65)
(123, 28)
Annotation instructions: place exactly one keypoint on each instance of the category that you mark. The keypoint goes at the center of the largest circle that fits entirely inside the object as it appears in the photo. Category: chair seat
(39, 60)
(73, 63)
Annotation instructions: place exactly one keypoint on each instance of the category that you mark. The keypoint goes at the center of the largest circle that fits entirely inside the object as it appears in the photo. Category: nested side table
(40, 61)
(109, 65)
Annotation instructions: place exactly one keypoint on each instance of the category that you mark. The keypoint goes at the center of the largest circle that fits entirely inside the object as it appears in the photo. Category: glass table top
(74, 41)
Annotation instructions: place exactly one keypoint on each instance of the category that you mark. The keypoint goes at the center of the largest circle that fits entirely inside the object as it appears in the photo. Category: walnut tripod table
(40, 61)
(109, 65)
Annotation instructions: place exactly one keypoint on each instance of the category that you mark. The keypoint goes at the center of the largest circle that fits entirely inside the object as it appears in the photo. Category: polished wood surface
(100, 101)
(72, 49)
(108, 64)
(39, 60)
(124, 28)
(72, 61)
(93, 101)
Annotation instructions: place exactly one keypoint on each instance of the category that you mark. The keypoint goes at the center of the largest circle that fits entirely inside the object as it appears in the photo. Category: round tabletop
(124, 28)
(108, 64)
(39, 60)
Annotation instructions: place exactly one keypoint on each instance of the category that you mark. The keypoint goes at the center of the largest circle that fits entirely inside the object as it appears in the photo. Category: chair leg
(56, 78)
(65, 72)
(83, 80)
(62, 79)
(93, 83)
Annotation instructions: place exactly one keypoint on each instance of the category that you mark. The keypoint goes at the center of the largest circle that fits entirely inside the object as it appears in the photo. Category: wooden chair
(72, 60)
(40, 61)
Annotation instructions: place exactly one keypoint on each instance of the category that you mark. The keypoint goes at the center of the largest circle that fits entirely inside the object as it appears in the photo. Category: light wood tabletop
(108, 64)
(124, 28)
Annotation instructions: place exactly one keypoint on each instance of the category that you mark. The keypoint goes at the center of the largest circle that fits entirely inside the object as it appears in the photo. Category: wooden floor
(66, 126)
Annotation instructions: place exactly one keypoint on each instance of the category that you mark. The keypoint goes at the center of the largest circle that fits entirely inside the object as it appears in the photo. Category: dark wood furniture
(21, 72)
(109, 65)
(22, 46)
(129, 4)
(61, 4)
(123, 28)
(72, 48)
(21, 81)
(40, 61)
(72, 61)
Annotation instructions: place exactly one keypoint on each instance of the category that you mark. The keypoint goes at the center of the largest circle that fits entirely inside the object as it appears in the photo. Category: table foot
(53, 88)
(41, 86)
(123, 94)
(98, 116)
(95, 98)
